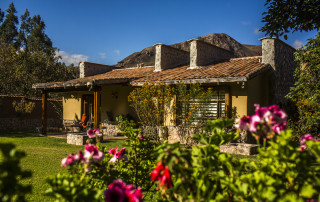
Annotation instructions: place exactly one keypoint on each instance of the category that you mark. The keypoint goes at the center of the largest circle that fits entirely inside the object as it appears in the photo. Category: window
(203, 109)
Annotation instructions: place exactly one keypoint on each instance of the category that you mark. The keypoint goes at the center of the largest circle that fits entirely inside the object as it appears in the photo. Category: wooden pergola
(80, 84)
(48, 89)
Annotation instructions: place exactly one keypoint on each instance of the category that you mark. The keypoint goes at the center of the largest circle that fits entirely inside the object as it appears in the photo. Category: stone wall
(171, 133)
(90, 69)
(281, 58)
(202, 53)
(110, 130)
(12, 120)
(77, 139)
(167, 57)
(26, 124)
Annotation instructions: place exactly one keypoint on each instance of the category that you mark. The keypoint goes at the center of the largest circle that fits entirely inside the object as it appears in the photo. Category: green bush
(11, 173)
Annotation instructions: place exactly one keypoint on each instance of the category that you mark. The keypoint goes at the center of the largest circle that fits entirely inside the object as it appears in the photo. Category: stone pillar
(90, 69)
(203, 53)
(168, 57)
(280, 56)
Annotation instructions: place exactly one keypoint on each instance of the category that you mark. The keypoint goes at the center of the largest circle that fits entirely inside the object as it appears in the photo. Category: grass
(43, 158)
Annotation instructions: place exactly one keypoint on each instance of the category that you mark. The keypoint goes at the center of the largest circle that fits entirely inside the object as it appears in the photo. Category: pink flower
(79, 156)
(278, 128)
(117, 155)
(305, 138)
(134, 195)
(90, 133)
(113, 159)
(72, 159)
(67, 161)
(303, 147)
(265, 122)
(97, 131)
(255, 121)
(115, 193)
(113, 151)
(119, 191)
(91, 152)
(121, 153)
(243, 122)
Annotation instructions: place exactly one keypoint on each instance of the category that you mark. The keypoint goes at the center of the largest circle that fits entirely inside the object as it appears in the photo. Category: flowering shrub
(304, 139)
(124, 122)
(98, 167)
(266, 122)
(282, 172)
(151, 102)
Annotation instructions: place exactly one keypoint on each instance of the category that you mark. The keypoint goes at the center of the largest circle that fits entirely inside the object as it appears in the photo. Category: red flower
(162, 174)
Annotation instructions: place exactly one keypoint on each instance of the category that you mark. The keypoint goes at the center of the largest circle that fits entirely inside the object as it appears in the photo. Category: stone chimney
(203, 53)
(168, 57)
(90, 69)
(280, 56)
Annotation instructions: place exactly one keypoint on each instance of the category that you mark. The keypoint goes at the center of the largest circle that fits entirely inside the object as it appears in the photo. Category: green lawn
(43, 158)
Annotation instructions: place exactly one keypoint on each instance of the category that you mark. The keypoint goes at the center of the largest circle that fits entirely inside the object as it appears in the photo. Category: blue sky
(105, 31)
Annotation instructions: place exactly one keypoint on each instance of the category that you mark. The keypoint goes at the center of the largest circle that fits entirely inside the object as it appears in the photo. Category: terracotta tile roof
(239, 69)
(114, 76)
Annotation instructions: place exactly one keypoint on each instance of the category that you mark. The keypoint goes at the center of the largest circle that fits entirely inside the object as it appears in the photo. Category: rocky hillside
(146, 56)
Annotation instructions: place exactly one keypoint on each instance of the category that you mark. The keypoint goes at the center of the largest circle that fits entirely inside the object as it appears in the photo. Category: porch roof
(234, 70)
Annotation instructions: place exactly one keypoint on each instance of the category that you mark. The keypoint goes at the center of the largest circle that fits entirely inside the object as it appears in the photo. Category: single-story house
(102, 90)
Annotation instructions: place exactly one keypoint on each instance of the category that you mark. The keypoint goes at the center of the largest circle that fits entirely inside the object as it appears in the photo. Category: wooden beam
(44, 113)
(228, 102)
(200, 81)
(96, 108)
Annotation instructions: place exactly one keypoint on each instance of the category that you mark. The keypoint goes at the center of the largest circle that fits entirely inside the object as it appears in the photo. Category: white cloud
(297, 44)
(256, 31)
(246, 22)
(102, 55)
(71, 58)
(117, 52)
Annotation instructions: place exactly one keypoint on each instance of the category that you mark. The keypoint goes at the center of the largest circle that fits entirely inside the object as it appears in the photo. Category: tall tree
(25, 30)
(37, 39)
(27, 56)
(8, 29)
(1, 16)
(284, 16)
(306, 92)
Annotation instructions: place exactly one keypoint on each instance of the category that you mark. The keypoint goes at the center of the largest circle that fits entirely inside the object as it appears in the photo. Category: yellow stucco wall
(258, 92)
(114, 99)
(239, 98)
(72, 108)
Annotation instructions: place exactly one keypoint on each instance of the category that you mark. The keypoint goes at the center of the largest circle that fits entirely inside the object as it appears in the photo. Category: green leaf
(308, 191)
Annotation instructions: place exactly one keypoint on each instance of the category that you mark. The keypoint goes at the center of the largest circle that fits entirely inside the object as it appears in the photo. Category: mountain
(146, 57)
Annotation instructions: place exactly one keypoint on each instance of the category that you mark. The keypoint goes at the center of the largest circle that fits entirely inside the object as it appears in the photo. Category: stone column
(168, 57)
(203, 53)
